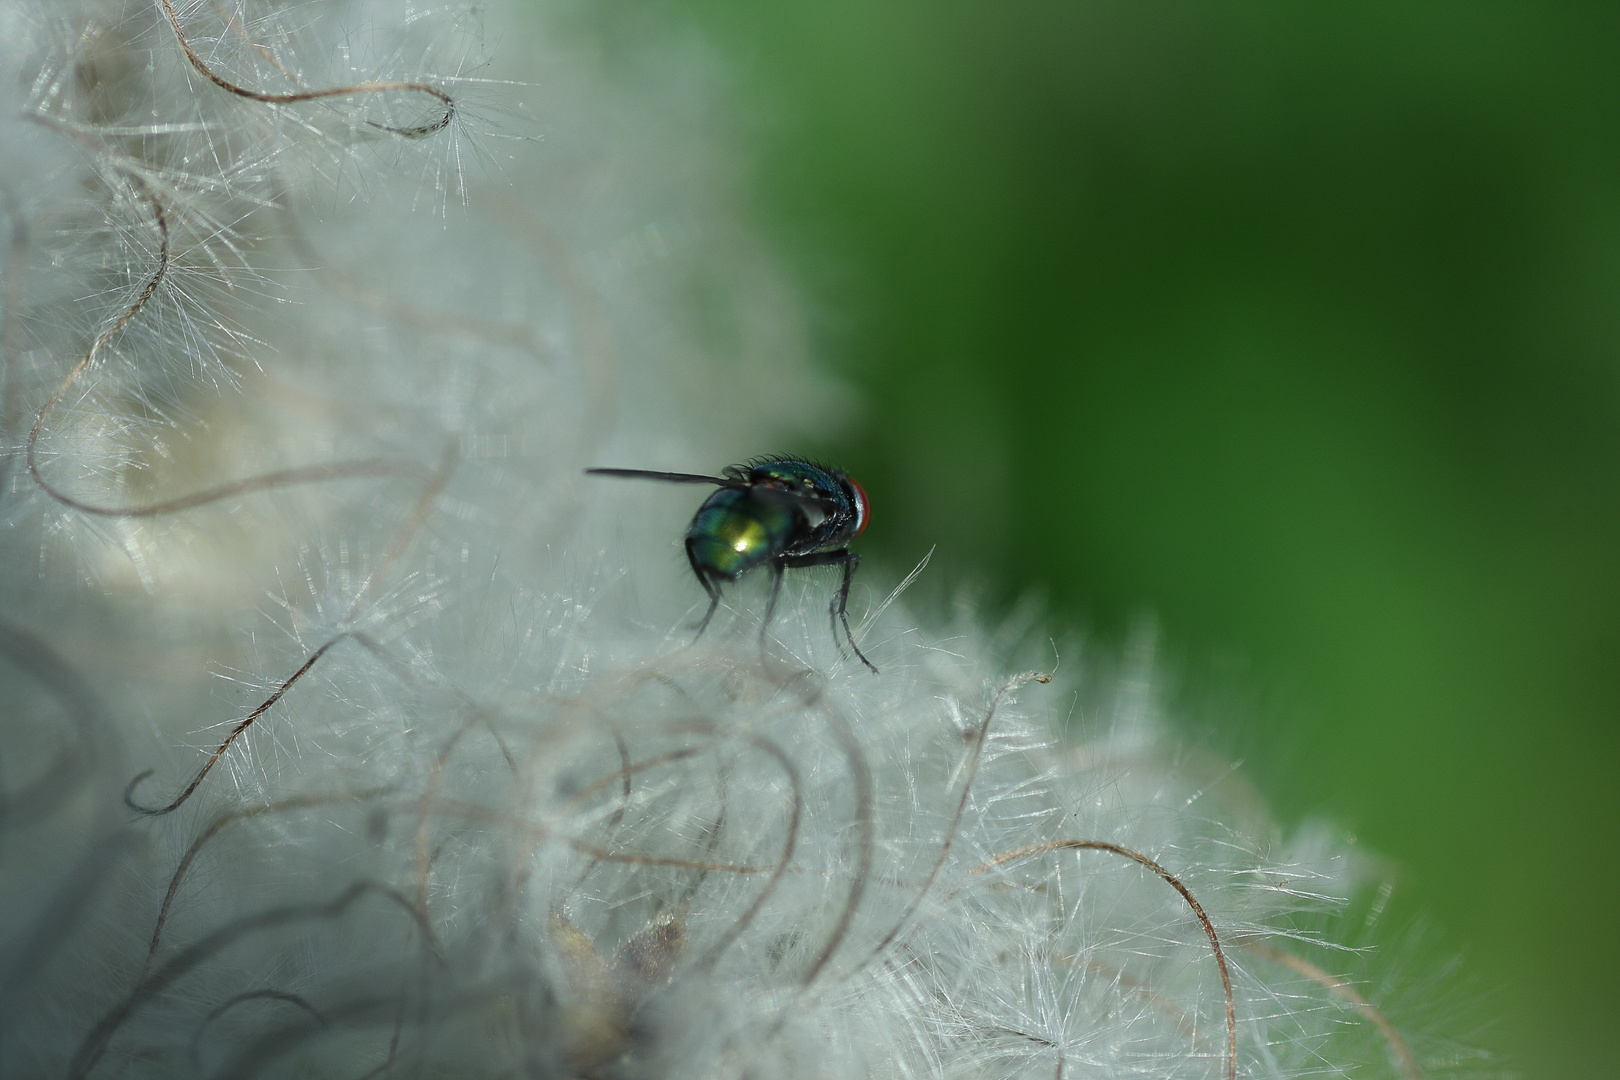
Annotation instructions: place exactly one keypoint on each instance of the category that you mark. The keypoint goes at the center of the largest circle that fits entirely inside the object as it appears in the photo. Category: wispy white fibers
(348, 730)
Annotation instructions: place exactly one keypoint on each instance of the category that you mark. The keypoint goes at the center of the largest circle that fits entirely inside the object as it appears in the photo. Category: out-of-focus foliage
(1298, 324)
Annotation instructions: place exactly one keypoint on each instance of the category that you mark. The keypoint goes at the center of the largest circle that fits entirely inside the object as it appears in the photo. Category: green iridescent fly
(775, 511)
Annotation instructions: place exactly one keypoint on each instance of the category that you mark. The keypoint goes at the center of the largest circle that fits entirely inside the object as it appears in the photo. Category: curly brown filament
(425, 856)
(161, 217)
(308, 474)
(619, 776)
(241, 32)
(85, 883)
(95, 1042)
(296, 803)
(75, 764)
(539, 833)
(387, 1063)
(225, 744)
(362, 639)
(861, 774)
(974, 758)
(511, 335)
(1140, 989)
(636, 859)
(611, 825)
(594, 328)
(280, 478)
(624, 794)
(1169, 879)
(267, 1050)
(1399, 1052)
(10, 302)
(240, 999)
(423, 851)
(713, 831)
(1058, 1075)
(536, 833)
(295, 97)
(622, 776)
(419, 515)
(782, 861)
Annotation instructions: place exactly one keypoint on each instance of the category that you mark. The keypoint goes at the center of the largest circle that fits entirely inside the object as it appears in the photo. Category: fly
(775, 511)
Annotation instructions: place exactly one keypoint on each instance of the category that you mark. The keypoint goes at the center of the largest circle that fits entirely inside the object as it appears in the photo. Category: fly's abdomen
(734, 532)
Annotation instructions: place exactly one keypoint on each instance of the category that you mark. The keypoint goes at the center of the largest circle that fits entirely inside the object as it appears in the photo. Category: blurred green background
(1298, 325)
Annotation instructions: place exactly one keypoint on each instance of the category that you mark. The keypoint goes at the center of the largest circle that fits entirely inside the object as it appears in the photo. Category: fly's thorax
(799, 477)
(735, 531)
(825, 499)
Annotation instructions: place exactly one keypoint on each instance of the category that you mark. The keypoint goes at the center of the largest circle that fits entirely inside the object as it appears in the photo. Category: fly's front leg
(839, 608)
(852, 562)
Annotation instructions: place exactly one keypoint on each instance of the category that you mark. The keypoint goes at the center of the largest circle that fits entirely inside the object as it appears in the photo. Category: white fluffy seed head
(350, 730)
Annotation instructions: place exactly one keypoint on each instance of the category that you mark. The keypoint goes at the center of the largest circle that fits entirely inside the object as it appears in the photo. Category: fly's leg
(839, 608)
(852, 562)
(778, 564)
(708, 586)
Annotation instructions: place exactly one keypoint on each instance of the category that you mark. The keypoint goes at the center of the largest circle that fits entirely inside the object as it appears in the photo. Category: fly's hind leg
(778, 564)
(838, 610)
(708, 586)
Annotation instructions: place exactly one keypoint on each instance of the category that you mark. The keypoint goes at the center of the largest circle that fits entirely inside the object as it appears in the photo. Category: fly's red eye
(863, 508)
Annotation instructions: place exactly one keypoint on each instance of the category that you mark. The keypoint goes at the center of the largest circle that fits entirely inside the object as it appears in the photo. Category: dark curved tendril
(424, 856)
(225, 744)
(308, 474)
(1169, 879)
(10, 304)
(637, 859)
(296, 803)
(624, 766)
(160, 217)
(539, 833)
(788, 846)
(418, 517)
(861, 775)
(266, 1052)
(67, 771)
(78, 890)
(416, 131)
(536, 834)
(419, 514)
(227, 1005)
(1141, 989)
(1399, 1051)
(977, 755)
(280, 478)
(613, 821)
(94, 1044)
(1038, 1040)
(387, 1063)
(712, 833)
(380, 302)
(580, 294)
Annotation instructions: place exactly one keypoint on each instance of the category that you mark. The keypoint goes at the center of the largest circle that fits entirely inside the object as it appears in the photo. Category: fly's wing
(667, 477)
(814, 508)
